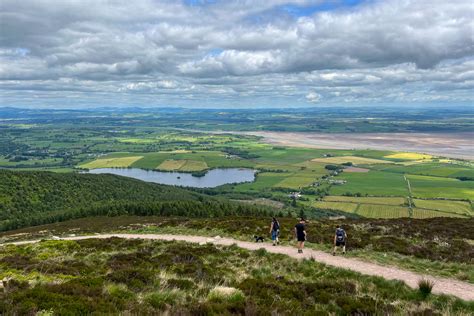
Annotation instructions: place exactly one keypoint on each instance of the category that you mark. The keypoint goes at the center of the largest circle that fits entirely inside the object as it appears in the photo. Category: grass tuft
(425, 287)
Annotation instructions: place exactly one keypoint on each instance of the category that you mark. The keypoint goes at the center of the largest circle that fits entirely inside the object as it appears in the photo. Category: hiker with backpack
(300, 234)
(275, 231)
(340, 240)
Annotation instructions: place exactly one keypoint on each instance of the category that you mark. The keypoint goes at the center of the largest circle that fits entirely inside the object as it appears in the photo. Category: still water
(211, 179)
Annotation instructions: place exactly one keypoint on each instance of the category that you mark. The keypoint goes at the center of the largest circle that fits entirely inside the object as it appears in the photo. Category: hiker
(275, 231)
(300, 234)
(340, 240)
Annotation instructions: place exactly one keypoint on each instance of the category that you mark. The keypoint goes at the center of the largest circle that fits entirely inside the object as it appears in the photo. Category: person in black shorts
(340, 240)
(300, 234)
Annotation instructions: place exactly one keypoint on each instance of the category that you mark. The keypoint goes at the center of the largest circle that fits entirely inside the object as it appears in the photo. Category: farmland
(380, 211)
(121, 162)
(408, 156)
(375, 183)
(183, 165)
(87, 143)
(459, 207)
(354, 159)
(368, 200)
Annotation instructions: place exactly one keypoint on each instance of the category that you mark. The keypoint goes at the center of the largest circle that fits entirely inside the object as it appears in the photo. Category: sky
(232, 54)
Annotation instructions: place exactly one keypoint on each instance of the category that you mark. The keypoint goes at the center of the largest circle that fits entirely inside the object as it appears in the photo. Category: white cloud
(237, 51)
(313, 97)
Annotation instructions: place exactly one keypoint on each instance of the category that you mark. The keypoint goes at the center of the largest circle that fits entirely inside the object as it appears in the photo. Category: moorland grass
(140, 277)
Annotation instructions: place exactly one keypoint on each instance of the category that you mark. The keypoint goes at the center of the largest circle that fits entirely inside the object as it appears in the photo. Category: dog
(258, 238)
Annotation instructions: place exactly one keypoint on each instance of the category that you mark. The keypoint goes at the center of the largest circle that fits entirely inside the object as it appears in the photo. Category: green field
(122, 162)
(339, 206)
(297, 181)
(367, 200)
(264, 180)
(371, 183)
(382, 211)
(459, 207)
(424, 213)
(436, 187)
(182, 165)
(430, 169)
(354, 159)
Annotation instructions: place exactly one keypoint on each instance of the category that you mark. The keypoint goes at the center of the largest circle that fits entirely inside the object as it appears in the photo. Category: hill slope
(33, 198)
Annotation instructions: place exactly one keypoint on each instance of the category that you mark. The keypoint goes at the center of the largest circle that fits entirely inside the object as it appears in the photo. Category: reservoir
(212, 178)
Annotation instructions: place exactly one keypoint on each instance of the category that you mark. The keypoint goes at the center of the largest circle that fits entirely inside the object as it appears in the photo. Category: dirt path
(447, 286)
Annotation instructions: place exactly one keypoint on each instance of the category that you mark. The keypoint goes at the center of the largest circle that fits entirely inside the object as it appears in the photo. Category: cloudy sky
(249, 53)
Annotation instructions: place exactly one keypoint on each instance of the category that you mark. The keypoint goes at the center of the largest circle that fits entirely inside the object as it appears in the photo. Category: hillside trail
(447, 286)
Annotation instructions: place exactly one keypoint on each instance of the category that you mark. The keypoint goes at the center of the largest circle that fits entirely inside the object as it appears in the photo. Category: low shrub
(161, 299)
(425, 286)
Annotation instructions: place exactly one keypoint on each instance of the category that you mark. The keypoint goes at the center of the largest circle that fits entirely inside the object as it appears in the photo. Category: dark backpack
(276, 225)
(340, 234)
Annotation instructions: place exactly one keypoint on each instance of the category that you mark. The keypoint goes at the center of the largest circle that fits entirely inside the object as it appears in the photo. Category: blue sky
(230, 54)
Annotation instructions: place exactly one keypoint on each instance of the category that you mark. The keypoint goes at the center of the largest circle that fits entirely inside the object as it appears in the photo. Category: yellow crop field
(354, 159)
(138, 140)
(382, 211)
(296, 181)
(459, 207)
(171, 164)
(367, 200)
(182, 165)
(339, 206)
(121, 162)
(422, 213)
(409, 156)
(194, 165)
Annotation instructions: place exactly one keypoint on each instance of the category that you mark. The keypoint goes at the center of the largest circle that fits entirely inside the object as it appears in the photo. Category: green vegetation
(382, 211)
(111, 162)
(149, 141)
(435, 187)
(368, 200)
(458, 207)
(33, 198)
(372, 183)
(433, 246)
(145, 277)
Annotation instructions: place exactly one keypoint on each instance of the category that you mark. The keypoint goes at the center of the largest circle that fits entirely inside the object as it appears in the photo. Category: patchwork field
(367, 200)
(297, 181)
(382, 211)
(371, 183)
(121, 162)
(437, 187)
(408, 156)
(183, 165)
(354, 159)
(338, 206)
(424, 213)
(459, 207)
(263, 180)
(393, 207)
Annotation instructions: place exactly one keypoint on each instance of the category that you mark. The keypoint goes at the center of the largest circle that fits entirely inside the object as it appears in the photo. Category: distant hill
(34, 197)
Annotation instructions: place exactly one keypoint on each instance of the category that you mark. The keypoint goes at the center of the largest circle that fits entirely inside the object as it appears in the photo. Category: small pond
(211, 179)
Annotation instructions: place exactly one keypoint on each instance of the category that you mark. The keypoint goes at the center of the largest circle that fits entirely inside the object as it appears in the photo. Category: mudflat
(455, 145)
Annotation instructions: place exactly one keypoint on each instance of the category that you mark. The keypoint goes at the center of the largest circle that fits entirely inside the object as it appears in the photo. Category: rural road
(447, 286)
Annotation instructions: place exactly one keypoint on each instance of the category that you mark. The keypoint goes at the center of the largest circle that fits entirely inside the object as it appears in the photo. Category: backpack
(276, 225)
(340, 234)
